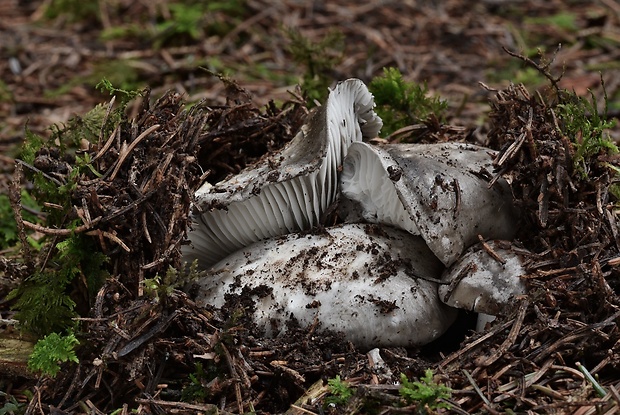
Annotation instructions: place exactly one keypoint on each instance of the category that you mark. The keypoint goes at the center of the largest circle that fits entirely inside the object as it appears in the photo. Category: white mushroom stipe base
(364, 281)
(287, 191)
(482, 283)
(438, 191)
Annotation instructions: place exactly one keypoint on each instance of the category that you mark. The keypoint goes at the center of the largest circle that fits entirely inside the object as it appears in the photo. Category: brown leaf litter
(570, 315)
(136, 210)
(139, 350)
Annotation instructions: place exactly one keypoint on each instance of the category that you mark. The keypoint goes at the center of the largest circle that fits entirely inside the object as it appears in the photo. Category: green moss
(61, 148)
(52, 350)
(128, 31)
(125, 73)
(194, 20)
(401, 103)
(43, 301)
(161, 287)
(186, 21)
(317, 58)
(529, 77)
(340, 391)
(581, 122)
(73, 10)
(8, 226)
(195, 390)
(426, 392)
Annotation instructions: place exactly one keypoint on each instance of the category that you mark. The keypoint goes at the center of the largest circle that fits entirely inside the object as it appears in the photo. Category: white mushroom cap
(483, 283)
(287, 191)
(365, 281)
(438, 191)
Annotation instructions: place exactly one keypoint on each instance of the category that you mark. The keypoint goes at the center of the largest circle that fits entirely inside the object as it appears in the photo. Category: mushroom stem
(480, 282)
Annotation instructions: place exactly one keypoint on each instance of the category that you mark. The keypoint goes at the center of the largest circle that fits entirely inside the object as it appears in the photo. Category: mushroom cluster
(409, 252)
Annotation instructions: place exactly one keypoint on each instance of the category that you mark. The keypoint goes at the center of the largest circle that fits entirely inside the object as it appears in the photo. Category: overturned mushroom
(438, 191)
(287, 191)
(485, 279)
(376, 285)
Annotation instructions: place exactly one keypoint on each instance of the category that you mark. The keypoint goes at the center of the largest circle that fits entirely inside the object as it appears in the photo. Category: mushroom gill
(368, 195)
(287, 191)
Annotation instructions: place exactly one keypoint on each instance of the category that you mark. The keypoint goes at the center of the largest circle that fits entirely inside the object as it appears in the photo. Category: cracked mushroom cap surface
(365, 281)
(483, 282)
(287, 191)
(439, 191)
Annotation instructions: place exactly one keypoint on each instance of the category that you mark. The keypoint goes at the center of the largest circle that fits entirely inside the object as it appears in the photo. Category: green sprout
(317, 58)
(52, 350)
(161, 287)
(339, 390)
(425, 392)
(580, 121)
(401, 103)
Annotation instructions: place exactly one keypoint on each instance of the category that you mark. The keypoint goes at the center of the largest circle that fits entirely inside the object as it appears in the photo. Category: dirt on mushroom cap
(442, 192)
(376, 286)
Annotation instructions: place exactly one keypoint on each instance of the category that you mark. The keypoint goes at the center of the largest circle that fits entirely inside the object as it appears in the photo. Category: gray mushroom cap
(438, 191)
(482, 282)
(287, 191)
(365, 281)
